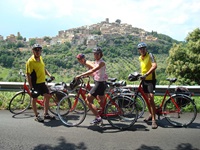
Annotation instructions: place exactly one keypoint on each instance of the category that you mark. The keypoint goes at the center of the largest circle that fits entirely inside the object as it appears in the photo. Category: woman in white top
(98, 70)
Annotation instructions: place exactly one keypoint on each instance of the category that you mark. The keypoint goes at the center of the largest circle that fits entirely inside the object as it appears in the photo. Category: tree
(184, 60)
(118, 21)
(32, 41)
(47, 39)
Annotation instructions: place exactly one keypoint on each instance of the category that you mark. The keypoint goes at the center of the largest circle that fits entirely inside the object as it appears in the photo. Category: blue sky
(39, 18)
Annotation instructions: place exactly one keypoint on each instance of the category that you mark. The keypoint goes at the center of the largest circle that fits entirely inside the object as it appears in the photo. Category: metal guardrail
(160, 89)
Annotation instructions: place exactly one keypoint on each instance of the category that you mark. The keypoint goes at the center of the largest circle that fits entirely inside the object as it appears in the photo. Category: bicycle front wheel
(141, 105)
(20, 102)
(180, 110)
(75, 108)
(55, 98)
(121, 112)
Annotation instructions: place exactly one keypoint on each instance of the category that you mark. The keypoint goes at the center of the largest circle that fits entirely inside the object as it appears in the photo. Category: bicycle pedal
(100, 124)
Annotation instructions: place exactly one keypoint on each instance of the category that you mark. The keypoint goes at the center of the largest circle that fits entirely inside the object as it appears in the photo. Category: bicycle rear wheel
(121, 112)
(20, 102)
(75, 108)
(56, 96)
(183, 117)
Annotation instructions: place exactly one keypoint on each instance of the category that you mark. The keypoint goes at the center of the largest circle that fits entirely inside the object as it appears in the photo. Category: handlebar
(48, 80)
(21, 73)
(137, 76)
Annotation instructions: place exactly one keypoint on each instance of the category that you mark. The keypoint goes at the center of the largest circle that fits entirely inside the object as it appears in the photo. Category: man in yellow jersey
(35, 70)
(148, 66)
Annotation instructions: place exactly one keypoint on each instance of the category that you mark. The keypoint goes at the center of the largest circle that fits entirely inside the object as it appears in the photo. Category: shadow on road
(63, 145)
(164, 124)
(182, 146)
(23, 115)
(140, 125)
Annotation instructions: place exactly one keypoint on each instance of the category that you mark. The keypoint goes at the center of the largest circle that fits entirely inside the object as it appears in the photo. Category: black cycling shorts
(41, 88)
(149, 86)
(98, 89)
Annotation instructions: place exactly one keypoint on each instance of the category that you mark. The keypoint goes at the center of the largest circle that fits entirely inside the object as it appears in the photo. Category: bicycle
(112, 85)
(179, 109)
(120, 111)
(130, 92)
(21, 101)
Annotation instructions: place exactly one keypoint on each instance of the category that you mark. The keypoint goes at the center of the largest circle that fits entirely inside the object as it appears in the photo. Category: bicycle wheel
(75, 108)
(121, 112)
(183, 117)
(56, 96)
(20, 102)
(141, 104)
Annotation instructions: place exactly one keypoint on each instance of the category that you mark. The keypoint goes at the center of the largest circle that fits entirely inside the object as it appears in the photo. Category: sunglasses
(37, 49)
(143, 48)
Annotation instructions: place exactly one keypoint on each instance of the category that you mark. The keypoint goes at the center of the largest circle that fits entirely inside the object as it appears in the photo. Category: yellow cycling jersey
(146, 63)
(36, 69)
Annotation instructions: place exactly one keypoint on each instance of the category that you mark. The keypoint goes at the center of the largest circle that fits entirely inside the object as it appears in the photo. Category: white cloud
(46, 9)
(170, 17)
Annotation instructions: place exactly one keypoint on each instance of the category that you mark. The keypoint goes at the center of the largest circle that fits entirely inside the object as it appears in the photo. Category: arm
(87, 63)
(153, 68)
(91, 71)
(47, 73)
(29, 80)
(153, 64)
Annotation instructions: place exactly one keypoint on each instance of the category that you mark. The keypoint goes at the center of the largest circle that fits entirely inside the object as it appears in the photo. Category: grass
(5, 98)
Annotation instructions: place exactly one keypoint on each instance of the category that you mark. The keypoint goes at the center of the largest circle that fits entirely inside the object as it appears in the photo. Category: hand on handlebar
(77, 77)
(34, 93)
(52, 77)
(143, 77)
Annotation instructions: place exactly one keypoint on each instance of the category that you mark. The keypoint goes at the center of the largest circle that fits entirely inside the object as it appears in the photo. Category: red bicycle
(120, 111)
(21, 101)
(179, 109)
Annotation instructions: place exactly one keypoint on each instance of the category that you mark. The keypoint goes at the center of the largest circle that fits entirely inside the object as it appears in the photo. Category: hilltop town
(88, 35)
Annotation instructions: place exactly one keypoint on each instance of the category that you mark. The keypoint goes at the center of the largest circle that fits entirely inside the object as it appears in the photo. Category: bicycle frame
(26, 89)
(159, 111)
(82, 92)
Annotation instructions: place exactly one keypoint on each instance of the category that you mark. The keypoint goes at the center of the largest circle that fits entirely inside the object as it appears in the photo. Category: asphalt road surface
(21, 132)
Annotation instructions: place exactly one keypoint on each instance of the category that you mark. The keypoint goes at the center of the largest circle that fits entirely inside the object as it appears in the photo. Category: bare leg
(101, 100)
(152, 106)
(46, 103)
(34, 106)
(89, 102)
(153, 111)
(149, 106)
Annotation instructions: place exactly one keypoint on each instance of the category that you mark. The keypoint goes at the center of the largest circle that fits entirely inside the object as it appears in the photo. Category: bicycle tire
(20, 102)
(140, 103)
(55, 98)
(76, 109)
(187, 112)
(129, 114)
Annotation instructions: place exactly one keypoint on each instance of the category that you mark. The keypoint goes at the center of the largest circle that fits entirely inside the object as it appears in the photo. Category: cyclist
(148, 66)
(99, 74)
(35, 70)
(83, 61)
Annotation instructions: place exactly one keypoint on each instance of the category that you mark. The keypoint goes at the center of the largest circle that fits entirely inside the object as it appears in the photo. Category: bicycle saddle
(172, 79)
(112, 79)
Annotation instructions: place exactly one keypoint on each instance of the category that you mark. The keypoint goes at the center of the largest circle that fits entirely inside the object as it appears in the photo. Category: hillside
(118, 41)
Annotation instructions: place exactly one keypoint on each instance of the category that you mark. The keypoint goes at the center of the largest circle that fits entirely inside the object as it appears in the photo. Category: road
(21, 132)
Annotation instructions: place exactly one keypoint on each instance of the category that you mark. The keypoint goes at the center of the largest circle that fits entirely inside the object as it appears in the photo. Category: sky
(39, 18)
